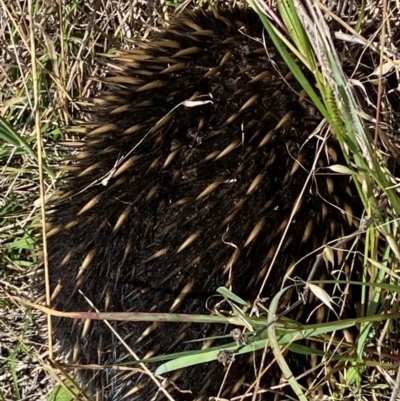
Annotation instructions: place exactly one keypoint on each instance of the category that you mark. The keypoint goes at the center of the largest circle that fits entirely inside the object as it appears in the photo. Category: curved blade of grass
(275, 347)
(9, 135)
(227, 294)
(209, 356)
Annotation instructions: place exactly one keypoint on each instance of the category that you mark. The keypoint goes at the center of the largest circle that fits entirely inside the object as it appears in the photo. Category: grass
(44, 70)
(368, 165)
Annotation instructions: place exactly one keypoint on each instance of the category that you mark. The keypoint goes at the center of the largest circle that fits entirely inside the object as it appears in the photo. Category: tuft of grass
(369, 160)
(47, 53)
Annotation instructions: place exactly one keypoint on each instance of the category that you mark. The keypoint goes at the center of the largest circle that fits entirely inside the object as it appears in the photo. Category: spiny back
(186, 181)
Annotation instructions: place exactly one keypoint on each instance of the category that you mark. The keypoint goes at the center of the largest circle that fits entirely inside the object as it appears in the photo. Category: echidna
(187, 180)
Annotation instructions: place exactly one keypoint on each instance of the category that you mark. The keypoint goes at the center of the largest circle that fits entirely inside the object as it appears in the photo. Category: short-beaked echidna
(187, 180)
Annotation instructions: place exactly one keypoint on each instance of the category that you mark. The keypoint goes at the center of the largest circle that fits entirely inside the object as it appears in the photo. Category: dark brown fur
(154, 200)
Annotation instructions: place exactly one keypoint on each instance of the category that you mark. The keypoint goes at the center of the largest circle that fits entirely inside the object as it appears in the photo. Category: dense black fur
(148, 206)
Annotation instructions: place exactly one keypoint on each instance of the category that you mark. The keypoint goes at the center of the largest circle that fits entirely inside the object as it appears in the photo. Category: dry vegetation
(48, 51)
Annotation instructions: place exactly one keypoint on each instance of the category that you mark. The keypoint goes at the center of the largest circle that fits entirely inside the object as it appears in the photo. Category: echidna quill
(186, 181)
